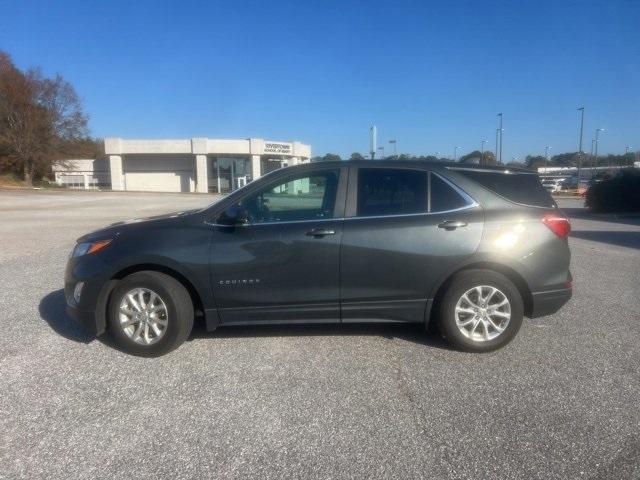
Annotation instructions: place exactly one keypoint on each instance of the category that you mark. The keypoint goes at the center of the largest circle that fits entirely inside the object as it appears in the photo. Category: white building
(83, 173)
(585, 172)
(189, 165)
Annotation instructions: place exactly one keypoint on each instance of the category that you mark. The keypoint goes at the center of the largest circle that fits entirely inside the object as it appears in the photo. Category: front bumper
(90, 310)
(86, 319)
(549, 302)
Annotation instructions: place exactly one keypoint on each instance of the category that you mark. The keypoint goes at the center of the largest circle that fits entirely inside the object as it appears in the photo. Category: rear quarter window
(522, 188)
(443, 197)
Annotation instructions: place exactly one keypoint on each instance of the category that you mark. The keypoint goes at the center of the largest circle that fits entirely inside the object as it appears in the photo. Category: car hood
(118, 228)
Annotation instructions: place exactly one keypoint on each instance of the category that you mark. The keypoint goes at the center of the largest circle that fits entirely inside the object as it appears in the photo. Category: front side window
(308, 196)
(391, 191)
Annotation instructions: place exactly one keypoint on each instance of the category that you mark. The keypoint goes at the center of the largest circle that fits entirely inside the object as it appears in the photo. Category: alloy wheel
(143, 316)
(482, 313)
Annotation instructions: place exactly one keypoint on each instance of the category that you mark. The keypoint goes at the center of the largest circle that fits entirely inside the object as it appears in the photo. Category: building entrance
(227, 174)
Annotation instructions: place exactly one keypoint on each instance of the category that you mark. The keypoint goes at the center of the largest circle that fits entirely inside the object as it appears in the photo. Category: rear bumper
(549, 302)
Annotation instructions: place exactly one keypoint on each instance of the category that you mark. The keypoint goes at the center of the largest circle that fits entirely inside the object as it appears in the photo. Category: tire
(477, 331)
(170, 313)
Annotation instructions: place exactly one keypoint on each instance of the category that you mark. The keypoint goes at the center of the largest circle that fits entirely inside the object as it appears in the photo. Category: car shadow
(52, 310)
(409, 332)
(622, 239)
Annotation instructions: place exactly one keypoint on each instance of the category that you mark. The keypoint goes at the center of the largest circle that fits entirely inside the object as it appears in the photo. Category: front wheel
(150, 314)
(481, 311)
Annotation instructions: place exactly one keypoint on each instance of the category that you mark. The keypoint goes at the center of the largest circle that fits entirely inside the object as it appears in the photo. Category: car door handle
(320, 232)
(452, 224)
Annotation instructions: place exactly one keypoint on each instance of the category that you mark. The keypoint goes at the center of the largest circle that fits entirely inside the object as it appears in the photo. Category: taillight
(557, 223)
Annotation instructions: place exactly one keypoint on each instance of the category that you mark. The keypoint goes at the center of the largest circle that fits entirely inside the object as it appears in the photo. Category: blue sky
(431, 74)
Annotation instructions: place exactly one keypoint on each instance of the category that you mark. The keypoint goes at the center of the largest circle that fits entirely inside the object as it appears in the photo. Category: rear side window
(523, 188)
(444, 197)
(390, 191)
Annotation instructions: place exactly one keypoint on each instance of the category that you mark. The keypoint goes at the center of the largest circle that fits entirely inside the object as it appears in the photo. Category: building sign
(279, 148)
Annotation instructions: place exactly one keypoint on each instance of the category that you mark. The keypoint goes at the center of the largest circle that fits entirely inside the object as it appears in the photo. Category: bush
(617, 194)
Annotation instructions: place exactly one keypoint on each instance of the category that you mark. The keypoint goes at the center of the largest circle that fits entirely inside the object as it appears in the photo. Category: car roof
(424, 163)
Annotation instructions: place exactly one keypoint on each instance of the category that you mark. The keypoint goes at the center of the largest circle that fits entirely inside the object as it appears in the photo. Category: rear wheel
(481, 311)
(150, 314)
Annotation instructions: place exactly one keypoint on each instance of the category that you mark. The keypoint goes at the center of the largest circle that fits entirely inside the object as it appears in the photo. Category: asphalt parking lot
(560, 402)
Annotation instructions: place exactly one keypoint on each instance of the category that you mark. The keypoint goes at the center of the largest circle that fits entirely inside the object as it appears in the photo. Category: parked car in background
(471, 249)
(572, 183)
(552, 185)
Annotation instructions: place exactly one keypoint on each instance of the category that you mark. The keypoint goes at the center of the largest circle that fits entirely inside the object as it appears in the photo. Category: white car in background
(552, 185)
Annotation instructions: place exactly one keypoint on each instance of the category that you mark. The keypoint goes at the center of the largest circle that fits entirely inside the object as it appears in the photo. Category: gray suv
(467, 249)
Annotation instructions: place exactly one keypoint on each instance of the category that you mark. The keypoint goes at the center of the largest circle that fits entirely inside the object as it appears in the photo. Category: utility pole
(581, 109)
(501, 135)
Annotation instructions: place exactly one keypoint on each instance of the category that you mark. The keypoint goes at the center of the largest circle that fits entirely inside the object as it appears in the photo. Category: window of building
(391, 191)
(309, 196)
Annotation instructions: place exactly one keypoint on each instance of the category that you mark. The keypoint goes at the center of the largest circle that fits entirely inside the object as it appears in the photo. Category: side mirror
(234, 216)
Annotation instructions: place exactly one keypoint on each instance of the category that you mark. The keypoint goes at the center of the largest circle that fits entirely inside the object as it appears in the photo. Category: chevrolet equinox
(469, 249)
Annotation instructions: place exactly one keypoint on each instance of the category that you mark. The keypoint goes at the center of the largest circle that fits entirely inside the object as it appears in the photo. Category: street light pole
(395, 151)
(626, 152)
(455, 153)
(482, 152)
(598, 130)
(373, 138)
(501, 135)
(382, 154)
(581, 109)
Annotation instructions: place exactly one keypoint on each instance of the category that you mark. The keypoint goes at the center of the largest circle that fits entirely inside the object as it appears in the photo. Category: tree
(23, 123)
(356, 156)
(475, 157)
(40, 119)
(516, 164)
(533, 162)
(329, 157)
(569, 159)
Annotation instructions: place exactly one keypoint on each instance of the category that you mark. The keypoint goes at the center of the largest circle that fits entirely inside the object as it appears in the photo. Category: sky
(432, 75)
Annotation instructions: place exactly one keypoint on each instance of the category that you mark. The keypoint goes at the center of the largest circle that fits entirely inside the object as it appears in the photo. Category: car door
(283, 265)
(404, 228)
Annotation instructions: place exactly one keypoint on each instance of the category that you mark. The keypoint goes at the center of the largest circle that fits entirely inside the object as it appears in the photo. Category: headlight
(85, 248)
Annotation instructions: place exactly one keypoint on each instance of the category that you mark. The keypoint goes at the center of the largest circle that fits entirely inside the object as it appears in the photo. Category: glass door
(227, 174)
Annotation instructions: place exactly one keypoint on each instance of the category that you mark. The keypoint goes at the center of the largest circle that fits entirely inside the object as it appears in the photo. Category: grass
(10, 180)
